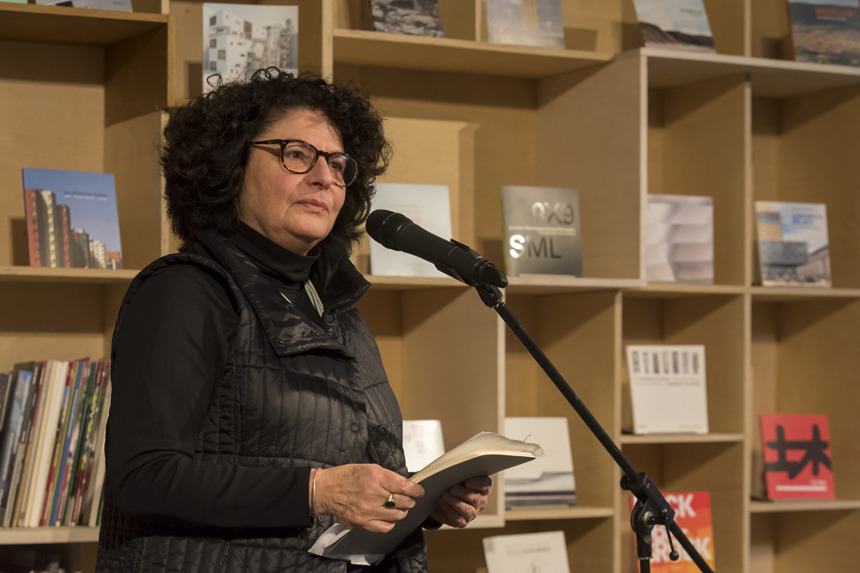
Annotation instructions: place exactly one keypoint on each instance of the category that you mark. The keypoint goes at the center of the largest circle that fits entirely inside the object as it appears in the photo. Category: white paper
(679, 230)
(422, 442)
(667, 389)
(527, 553)
(428, 207)
(549, 479)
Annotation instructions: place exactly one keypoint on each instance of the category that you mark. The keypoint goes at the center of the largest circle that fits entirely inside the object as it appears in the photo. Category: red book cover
(693, 515)
(797, 459)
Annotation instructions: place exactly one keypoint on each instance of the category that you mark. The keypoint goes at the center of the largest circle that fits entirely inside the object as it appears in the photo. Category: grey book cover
(411, 17)
(542, 231)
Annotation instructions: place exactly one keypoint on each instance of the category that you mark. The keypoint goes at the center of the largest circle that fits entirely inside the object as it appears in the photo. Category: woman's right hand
(356, 494)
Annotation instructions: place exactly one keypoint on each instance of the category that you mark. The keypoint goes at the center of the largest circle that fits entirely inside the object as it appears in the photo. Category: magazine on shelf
(797, 459)
(12, 433)
(542, 231)
(527, 553)
(72, 219)
(825, 31)
(549, 480)
(675, 24)
(793, 245)
(410, 17)
(693, 515)
(486, 453)
(428, 206)
(667, 389)
(525, 23)
(239, 39)
(422, 442)
(120, 5)
(679, 239)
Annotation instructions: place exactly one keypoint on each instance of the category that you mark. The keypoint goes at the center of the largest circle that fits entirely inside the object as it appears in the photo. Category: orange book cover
(693, 515)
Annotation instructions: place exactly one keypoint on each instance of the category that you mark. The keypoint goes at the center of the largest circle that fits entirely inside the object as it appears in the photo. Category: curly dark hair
(208, 142)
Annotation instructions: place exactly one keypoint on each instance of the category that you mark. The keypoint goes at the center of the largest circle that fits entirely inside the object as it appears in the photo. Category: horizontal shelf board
(378, 49)
(78, 26)
(44, 274)
(411, 283)
(542, 513)
(787, 294)
(769, 78)
(664, 290)
(681, 438)
(22, 535)
(797, 505)
(555, 284)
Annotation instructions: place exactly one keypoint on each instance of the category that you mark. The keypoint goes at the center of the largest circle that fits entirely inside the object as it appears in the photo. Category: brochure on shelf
(422, 442)
(797, 460)
(486, 453)
(72, 219)
(239, 39)
(667, 389)
(542, 231)
(415, 18)
(793, 244)
(525, 23)
(826, 32)
(693, 515)
(428, 206)
(679, 239)
(526, 553)
(675, 24)
(549, 480)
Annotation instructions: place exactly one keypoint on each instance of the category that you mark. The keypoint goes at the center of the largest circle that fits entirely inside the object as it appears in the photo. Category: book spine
(17, 488)
(94, 488)
(77, 456)
(37, 496)
(58, 446)
(62, 475)
(88, 442)
(13, 435)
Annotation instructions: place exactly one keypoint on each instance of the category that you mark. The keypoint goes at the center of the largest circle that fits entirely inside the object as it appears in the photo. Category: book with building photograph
(411, 17)
(675, 24)
(793, 246)
(679, 239)
(525, 23)
(72, 219)
(542, 231)
(241, 38)
(825, 31)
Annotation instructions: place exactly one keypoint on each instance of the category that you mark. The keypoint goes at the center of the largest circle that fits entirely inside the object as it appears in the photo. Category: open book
(484, 454)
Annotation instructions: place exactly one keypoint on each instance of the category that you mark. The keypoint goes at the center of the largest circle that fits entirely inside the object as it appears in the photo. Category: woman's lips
(314, 204)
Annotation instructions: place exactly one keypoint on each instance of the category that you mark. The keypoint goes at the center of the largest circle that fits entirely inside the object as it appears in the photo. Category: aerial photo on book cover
(72, 219)
(693, 515)
(826, 31)
(411, 17)
(797, 456)
(675, 24)
(241, 38)
(525, 23)
(793, 244)
(542, 231)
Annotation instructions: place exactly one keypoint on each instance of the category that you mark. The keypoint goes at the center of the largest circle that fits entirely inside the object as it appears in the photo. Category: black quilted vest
(291, 395)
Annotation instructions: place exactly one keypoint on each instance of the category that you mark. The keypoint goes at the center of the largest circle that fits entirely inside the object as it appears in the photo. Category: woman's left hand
(463, 502)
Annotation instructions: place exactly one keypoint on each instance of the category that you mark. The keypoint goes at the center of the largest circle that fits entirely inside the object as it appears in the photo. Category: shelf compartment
(690, 467)
(801, 505)
(798, 542)
(41, 535)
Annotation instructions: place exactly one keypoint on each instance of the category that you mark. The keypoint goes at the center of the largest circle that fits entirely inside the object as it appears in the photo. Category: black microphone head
(383, 227)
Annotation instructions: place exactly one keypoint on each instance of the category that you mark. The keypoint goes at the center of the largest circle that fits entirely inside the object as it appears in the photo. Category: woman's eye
(336, 166)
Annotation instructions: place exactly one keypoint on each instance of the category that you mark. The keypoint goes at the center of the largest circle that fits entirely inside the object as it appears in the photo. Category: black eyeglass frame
(317, 153)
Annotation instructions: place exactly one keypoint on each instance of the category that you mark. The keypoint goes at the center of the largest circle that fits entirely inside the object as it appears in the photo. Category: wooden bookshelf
(614, 121)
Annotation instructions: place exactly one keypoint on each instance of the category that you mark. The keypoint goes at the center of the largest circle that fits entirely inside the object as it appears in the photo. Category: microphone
(398, 232)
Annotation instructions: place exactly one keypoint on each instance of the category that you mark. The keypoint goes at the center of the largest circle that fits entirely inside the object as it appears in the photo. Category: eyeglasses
(299, 157)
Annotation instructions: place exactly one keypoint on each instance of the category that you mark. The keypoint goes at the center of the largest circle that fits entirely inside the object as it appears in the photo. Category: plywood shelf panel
(26, 535)
(681, 438)
(558, 284)
(670, 290)
(799, 505)
(40, 274)
(365, 48)
(545, 513)
(77, 26)
(779, 294)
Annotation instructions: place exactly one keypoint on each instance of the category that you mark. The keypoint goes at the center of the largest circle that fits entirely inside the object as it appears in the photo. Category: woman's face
(297, 211)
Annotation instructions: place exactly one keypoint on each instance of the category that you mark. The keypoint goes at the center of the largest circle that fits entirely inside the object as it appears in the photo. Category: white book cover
(549, 480)
(422, 442)
(525, 23)
(679, 239)
(544, 552)
(239, 39)
(793, 244)
(428, 206)
(667, 389)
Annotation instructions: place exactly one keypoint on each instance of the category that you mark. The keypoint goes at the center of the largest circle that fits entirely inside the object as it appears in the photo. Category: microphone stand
(651, 507)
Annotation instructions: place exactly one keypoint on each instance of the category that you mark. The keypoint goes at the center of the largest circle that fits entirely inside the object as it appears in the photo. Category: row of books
(52, 468)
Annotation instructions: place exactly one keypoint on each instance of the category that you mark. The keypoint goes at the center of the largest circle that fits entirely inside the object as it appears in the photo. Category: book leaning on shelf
(525, 23)
(548, 481)
(825, 32)
(53, 442)
(675, 25)
(793, 244)
(413, 18)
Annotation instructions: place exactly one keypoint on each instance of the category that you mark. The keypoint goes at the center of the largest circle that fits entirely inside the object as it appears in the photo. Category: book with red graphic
(693, 515)
(797, 459)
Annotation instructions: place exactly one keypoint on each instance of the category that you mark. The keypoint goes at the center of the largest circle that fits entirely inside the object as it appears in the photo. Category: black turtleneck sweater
(168, 362)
